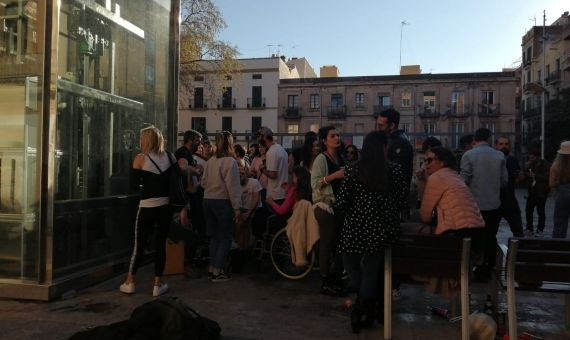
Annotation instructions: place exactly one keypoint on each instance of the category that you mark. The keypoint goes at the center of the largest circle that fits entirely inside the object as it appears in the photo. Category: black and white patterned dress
(372, 219)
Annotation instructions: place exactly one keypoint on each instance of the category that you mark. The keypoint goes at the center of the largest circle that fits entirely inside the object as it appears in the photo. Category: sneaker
(333, 290)
(159, 290)
(396, 295)
(221, 277)
(127, 288)
(539, 233)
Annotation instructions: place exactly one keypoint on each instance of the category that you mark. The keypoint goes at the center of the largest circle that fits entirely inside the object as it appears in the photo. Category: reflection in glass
(113, 79)
(21, 60)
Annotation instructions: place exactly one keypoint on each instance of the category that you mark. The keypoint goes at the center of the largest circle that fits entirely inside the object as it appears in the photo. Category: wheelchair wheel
(280, 253)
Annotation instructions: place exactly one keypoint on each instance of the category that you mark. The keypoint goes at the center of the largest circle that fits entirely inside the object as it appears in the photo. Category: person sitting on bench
(448, 208)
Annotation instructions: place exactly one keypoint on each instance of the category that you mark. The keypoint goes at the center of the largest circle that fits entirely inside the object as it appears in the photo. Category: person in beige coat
(448, 208)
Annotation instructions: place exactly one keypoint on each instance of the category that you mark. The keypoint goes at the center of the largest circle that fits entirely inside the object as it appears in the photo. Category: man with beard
(400, 150)
(188, 151)
(510, 209)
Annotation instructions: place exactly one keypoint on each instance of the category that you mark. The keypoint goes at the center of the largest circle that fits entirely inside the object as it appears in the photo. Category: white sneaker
(159, 290)
(127, 288)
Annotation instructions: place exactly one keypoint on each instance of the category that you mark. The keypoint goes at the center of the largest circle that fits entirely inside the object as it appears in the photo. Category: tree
(200, 26)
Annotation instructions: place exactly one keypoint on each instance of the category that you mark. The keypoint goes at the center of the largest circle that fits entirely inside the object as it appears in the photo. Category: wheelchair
(275, 243)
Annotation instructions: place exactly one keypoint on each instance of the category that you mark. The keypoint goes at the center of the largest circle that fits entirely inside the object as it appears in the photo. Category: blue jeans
(219, 228)
(561, 211)
(363, 273)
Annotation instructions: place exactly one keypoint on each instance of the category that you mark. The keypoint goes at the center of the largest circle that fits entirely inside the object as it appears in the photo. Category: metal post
(542, 114)
(465, 289)
(511, 303)
(388, 294)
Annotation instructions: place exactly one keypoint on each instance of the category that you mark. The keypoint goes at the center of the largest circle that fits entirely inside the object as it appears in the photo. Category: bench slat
(543, 244)
(532, 272)
(430, 241)
(543, 256)
(415, 252)
(422, 267)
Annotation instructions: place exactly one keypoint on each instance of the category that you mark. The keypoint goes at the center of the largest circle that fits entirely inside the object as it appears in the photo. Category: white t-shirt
(252, 186)
(277, 160)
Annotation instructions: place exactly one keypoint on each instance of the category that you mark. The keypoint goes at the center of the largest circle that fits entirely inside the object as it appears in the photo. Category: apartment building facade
(443, 105)
(550, 79)
(241, 103)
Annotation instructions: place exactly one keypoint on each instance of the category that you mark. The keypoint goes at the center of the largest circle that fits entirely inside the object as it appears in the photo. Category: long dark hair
(303, 189)
(307, 152)
(323, 133)
(372, 167)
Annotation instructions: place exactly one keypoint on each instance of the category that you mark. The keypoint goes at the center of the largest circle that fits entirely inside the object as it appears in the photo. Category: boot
(328, 287)
(356, 316)
(369, 311)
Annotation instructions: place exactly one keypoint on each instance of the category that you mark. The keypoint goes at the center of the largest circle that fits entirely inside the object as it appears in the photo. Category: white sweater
(221, 180)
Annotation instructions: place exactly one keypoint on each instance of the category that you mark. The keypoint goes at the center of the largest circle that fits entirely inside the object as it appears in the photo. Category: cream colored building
(241, 104)
(444, 105)
(556, 74)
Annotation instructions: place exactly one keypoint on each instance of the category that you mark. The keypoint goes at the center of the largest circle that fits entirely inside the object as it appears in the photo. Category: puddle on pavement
(99, 307)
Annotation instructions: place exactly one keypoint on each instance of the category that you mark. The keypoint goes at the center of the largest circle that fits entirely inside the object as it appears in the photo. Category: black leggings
(147, 219)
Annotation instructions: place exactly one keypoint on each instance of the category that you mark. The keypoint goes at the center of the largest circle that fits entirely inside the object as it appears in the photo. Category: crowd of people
(361, 200)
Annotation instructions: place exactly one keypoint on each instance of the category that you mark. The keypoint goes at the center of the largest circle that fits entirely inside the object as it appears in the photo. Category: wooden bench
(536, 265)
(430, 256)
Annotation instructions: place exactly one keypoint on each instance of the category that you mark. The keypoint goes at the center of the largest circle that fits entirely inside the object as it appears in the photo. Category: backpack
(160, 319)
(177, 182)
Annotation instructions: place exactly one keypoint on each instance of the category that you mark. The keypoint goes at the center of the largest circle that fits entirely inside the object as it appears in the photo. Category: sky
(362, 37)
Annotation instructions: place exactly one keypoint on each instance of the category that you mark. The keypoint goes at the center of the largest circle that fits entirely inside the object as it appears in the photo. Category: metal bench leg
(465, 289)
(388, 294)
(511, 303)
(567, 300)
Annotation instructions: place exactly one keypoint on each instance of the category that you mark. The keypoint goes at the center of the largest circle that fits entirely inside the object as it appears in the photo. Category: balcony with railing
(198, 104)
(553, 78)
(336, 112)
(489, 110)
(291, 112)
(380, 108)
(226, 103)
(360, 106)
(527, 62)
(256, 103)
(428, 112)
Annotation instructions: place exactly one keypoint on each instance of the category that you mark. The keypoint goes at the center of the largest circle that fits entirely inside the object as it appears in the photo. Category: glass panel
(21, 67)
(113, 69)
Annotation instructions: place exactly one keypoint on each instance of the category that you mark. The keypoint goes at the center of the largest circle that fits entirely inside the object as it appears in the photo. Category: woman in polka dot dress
(372, 195)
